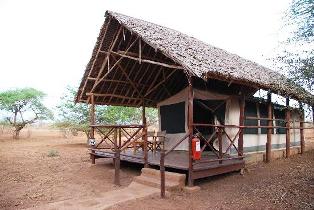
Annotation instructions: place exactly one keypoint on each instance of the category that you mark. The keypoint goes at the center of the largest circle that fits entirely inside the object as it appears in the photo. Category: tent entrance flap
(208, 112)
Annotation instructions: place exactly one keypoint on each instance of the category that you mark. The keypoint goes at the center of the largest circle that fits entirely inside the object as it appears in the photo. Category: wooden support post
(241, 123)
(162, 174)
(145, 136)
(92, 122)
(302, 142)
(288, 114)
(269, 129)
(190, 126)
(119, 138)
(313, 114)
(116, 159)
(220, 144)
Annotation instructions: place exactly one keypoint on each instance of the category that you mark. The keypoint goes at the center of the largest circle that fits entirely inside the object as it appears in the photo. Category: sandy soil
(282, 184)
(29, 177)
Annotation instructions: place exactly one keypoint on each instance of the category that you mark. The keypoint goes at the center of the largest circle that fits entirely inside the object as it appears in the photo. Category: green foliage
(300, 17)
(298, 54)
(53, 153)
(76, 116)
(127, 115)
(23, 106)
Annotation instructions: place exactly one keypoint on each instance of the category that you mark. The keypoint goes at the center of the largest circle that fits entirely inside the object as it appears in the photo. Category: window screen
(172, 118)
(280, 114)
(263, 111)
(250, 111)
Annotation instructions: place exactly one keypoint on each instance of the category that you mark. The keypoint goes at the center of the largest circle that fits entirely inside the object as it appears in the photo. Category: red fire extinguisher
(196, 148)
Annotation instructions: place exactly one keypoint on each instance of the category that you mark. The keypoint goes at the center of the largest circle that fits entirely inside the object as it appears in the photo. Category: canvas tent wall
(173, 117)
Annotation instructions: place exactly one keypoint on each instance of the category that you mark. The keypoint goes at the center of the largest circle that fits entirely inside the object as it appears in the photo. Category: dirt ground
(30, 177)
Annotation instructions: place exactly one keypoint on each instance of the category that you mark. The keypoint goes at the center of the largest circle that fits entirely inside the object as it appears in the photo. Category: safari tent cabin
(203, 93)
(221, 109)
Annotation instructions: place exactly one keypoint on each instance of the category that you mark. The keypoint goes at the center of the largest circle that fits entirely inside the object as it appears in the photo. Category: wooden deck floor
(175, 159)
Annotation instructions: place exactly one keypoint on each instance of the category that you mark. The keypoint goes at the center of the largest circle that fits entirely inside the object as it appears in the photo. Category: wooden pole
(145, 136)
(241, 123)
(190, 126)
(92, 122)
(220, 144)
(302, 128)
(162, 174)
(269, 130)
(116, 159)
(288, 116)
(313, 114)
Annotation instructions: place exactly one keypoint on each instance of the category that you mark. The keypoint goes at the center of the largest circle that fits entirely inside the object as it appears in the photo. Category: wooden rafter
(134, 54)
(139, 79)
(171, 66)
(114, 74)
(159, 83)
(113, 95)
(129, 79)
(94, 61)
(116, 63)
(98, 79)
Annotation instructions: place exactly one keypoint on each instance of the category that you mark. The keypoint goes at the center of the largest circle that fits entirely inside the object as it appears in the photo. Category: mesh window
(263, 111)
(280, 114)
(250, 111)
(172, 118)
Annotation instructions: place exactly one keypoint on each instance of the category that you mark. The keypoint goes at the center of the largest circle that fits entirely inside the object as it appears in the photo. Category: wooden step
(151, 177)
(171, 176)
(152, 182)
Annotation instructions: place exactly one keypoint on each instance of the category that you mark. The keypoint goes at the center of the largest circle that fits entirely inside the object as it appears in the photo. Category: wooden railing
(112, 135)
(219, 131)
(163, 155)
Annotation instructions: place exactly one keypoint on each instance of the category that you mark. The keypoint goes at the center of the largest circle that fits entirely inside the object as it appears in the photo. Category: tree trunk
(16, 134)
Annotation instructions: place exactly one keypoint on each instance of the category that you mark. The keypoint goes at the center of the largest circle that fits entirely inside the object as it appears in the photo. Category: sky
(47, 44)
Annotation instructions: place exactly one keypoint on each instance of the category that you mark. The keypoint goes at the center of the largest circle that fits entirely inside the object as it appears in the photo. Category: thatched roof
(198, 58)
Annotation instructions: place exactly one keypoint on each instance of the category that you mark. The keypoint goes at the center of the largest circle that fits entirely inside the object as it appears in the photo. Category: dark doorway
(205, 111)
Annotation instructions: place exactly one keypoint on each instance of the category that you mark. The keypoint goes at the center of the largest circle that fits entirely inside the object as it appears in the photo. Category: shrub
(53, 153)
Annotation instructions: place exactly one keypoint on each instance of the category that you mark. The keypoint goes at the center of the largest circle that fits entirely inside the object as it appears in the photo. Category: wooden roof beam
(148, 61)
(129, 79)
(94, 61)
(159, 83)
(115, 96)
(116, 63)
(97, 81)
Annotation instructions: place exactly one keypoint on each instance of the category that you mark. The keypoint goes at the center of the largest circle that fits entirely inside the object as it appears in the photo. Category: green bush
(53, 153)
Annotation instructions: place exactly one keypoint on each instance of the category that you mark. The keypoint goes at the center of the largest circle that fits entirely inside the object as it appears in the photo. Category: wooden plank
(269, 130)
(114, 95)
(144, 135)
(98, 80)
(92, 121)
(148, 61)
(159, 83)
(287, 128)
(220, 144)
(241, 123)
(190, 126)
(116, 159)
(197, 174)
(302, 128)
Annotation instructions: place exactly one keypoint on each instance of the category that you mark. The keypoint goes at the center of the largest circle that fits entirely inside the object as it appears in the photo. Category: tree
(298, 53)
(24, 106)
(76, 116)
(127, 115)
